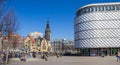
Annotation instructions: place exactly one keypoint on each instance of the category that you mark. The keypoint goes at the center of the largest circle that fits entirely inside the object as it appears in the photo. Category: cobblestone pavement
(68, 60)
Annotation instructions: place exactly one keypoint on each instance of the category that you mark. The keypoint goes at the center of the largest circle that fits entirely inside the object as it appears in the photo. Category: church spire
(48, 26)
(47, 31)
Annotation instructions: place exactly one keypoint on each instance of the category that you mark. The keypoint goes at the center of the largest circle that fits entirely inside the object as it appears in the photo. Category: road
(68, 60)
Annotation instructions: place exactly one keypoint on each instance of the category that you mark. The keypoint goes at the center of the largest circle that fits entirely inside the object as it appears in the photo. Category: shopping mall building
(97, 29)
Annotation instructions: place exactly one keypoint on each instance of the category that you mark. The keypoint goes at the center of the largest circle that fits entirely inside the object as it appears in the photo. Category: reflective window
(91, 9)
(95, 9)
(100, 8)
(78, 13)
(112, 7)
(84, 11)
(87, 10)
(108, 8)
(116, 7)
(104, 8)
(119, 7)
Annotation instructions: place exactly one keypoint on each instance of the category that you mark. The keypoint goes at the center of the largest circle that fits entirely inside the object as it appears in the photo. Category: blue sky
(33, 15)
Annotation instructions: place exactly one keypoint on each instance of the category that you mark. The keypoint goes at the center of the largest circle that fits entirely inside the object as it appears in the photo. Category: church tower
(47, 31)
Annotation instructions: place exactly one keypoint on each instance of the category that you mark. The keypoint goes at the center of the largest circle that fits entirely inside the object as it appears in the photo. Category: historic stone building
(39, 44)
(63, 46)
(29, 44)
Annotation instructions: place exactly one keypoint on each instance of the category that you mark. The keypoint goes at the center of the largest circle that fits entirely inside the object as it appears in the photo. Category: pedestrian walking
(34, 55)
(23, 58)
(102, 54)
(45, 57)
(118, 56)
(31, 55)
(1, 59)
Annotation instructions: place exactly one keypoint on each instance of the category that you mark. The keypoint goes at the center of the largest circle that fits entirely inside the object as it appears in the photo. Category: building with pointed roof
(39, 43)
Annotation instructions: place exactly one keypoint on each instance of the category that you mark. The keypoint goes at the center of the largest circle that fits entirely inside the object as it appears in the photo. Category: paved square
(68, 60)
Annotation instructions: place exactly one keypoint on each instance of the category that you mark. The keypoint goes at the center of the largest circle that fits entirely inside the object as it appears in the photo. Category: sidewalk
(68, 60)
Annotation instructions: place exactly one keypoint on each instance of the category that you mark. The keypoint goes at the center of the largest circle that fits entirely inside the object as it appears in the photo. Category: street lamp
(59, 46)
(28, 45)
(54, 47)
(62, 45)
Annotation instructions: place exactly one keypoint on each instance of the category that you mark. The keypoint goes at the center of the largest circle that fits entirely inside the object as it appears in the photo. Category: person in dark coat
(34, 56)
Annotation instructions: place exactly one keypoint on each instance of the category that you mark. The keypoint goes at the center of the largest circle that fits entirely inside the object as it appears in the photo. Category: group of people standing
(4, 57)
(23, 56)
(58, 54)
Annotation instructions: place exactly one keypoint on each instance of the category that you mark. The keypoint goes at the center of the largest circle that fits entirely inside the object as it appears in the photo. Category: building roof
(15, 35)
(32, 40)
(96, 4)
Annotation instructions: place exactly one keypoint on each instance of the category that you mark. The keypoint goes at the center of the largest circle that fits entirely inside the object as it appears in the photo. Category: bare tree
(2, 2)
(10, 23)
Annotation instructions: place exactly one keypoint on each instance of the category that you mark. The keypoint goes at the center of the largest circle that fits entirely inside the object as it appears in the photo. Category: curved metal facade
(97, 26)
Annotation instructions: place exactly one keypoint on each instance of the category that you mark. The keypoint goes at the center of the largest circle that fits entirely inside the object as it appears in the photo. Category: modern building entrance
(98, 51)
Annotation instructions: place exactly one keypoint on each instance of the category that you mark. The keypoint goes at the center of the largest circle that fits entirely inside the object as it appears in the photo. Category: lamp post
(28, 46)
(59, 46)
(2, 43)
(54, 47)
(62, 45)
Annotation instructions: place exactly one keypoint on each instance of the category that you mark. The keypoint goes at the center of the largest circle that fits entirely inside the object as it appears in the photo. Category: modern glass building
(97, 29)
